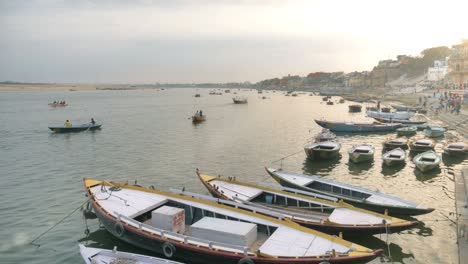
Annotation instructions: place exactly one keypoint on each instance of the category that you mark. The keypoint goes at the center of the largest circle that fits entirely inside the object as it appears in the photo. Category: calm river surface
(147, 135)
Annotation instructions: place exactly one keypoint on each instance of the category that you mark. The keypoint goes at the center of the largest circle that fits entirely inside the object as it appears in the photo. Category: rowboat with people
(76, 127)
(357, 196)
(192, 227)
(315, 211)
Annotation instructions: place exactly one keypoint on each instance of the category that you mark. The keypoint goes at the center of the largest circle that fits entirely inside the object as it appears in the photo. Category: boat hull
(321, 154)
(394, 146)
(360, 157)
(74, 129)
(455, 153)
(368, 206)
(344, 127)
(426, 168)
(393, 162)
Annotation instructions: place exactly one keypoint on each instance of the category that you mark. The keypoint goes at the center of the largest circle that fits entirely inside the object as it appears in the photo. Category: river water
(147, 136)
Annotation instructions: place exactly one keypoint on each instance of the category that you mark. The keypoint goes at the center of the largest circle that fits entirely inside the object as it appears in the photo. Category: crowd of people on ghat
(450, 102)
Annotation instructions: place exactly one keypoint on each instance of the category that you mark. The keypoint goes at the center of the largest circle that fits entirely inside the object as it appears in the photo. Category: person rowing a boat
(68, 123)
(92, 121)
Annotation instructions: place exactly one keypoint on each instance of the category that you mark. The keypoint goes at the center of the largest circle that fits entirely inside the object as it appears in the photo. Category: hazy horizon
(181, 41)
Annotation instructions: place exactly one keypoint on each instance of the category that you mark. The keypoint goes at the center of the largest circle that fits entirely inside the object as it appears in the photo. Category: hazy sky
(102, 41)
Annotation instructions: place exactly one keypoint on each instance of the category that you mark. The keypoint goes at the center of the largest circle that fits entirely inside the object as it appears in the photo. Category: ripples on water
(147, 135)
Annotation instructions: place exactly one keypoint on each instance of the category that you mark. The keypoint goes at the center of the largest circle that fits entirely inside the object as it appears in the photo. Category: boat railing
(183, 238)
(230, 203)
(312, 194)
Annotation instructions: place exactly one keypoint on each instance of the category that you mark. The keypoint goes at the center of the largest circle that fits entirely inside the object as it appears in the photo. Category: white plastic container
(225, 231)
(169, 218)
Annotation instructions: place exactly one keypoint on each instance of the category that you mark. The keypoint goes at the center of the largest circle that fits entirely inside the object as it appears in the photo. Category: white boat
(325, 214)
(357, 196)
(427, 161)
(422, 145)
(361, 153)
(393, 115)
(185, 226)
(325, 135)
(239, 100)
(394, 156)
(456, 149)
(98, 255)
(322, 150)
(434, 131)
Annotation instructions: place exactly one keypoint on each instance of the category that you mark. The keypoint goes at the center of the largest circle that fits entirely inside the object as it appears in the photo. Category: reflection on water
(392, 171)
(320, 167)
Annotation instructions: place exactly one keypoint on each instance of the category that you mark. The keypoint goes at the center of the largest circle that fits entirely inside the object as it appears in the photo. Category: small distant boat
(76, 128)
(97, 255)
(212, 93)
(356, 127)
(434, 131)
(342, 100)
(422, 145)
(394, 156)
(259, 91)
(355, 108)
(396, 143)
(322, 150)
(325, 98)
(361, 153)
(393, 115)
(422, 127)
(294, 94)
(319, 212)
(456, 149)
(198, 118)
(407, 131)
(385, 109)
(325, 135)
(185, 225)
(427, 161)
(402, 121)
(58, 104)
(239, 100)
(360, 197)
(330, 103)
(227, 91)
(405, 108)
(197, 95)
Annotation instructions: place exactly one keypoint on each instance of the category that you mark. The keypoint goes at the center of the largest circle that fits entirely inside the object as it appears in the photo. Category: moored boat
(239, 100)
(198, 118)
(427, 161)
(394, 156)
(405, 108)
(191, 228)
(76, 128)
(354, 108)
(456, 149)
(357, 196)
(396, 143)
(330, 103)
(98, 255)
(342, 100)
(393, 115)
(361, 153)
(402, 121)
(407, 131)
(434, 131)
(325, 135)
(322, 150)
(422, 145)
(356, 127)
(327, 215)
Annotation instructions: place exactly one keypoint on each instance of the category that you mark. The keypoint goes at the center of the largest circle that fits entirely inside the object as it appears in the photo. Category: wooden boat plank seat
(127, 205)
(233, 190)
(348, 217)
(289, 242)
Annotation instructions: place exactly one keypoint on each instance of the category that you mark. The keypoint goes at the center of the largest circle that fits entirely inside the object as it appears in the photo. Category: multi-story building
(458, 65)
(439, 70)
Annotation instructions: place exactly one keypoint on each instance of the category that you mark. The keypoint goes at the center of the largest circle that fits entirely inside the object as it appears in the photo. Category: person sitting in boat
(68, 123)
(55, 102)
(92, 121)
(197, 113)
(201, 113)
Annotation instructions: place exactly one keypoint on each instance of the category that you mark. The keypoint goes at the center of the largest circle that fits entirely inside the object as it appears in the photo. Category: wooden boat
(434, 131)
(405, 108)
(456, 149)
(356, 127)
(322, 150)
(360, 197)
(325, 98)
(194, 229)
(76, 128)
(407, 131)
(422, 145)
(396, 143)
(361, 153)
(198, 118)
(422, 127)
(325, 135)
(402, 121)
(197, 95)
(385, 109)
(394, 156)
(58, 105)
(342, 100)
(327, 215)
(393, 115)
(427, 161)
(98, 255)
(239, 100)
(354, 108)
(330, 103)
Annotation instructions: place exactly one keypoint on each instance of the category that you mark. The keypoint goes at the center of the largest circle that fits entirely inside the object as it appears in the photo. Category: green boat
(407, 131)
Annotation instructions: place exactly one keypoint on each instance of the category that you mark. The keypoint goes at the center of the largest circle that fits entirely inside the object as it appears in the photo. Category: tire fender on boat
(119, 229)
(246, 261)
(168, 249)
